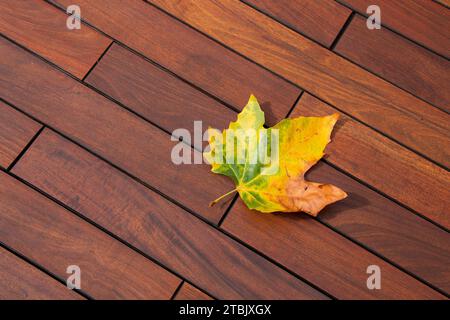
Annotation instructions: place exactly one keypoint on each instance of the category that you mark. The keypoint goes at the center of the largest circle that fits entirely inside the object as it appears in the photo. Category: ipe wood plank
(183, 243)
(55, 238)
(189, 54)
(155, 94)
(21, 281)
(321, 20)
(16, 131)
(114, 133)
(42, 28)
(425, 22)
(341, 83)
(321, 256)
(398, 60)
(189, 292)
(385, 165)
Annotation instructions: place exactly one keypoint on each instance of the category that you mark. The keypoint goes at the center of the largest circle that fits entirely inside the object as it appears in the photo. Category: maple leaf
(293, 145)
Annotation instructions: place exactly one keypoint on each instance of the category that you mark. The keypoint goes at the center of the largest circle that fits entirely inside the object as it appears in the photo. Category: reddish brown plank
(55, 239)
(322, 257)
(180, 241)
(398, 60)
(42, 28)
(388, 229)
(423, 21)
(390, 168)
(189, 292)
(155, 94)
(16, 130)
(374, 101)
(107, 129)
(189, 54)
(320, 20)
(21, 281)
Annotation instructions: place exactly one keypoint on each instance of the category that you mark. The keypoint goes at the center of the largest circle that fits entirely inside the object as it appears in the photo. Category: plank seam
(392, 30)
(43, 270)
(177, 290)
(314, 95)
(98, 60)
(344, 27)
(213, 96)
(379, 255)
(142, 56)
(385, 195)
(99, 227)
(342, 31)
(24, 150)
(442, 4)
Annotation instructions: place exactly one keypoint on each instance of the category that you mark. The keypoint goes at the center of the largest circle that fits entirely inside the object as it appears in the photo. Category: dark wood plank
(203, 255)
(398, 60)
(423, 21)
(107, 129)
(155, 94)
(21, 281)
(55, 238)
(320, 20)
(390, 168)
(374, 101)
(388, 229)
(189, 54)
(42, 28)
(16, 130)
(322, 257)
(189, 292)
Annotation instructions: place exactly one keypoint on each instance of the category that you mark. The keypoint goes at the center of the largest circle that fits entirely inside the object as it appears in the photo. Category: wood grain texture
(55, 239)
(385, 165)
(155, 94)
(180, 241)
(374, 101)
(42, 28)
(321, 256)
(423, 21)
(189, 292)
(107, 129)
(320, 20)
(388, 229)
(16, 130)
(189, 54)
(398, 60)
(21, 281)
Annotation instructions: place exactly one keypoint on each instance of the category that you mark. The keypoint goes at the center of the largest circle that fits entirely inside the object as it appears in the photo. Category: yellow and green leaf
(301, 143)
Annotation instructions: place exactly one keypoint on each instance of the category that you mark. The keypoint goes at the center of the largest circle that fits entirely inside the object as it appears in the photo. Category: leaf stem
(222, 196)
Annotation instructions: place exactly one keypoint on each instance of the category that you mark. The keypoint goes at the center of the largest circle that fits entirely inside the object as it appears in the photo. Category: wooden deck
(86, 177)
